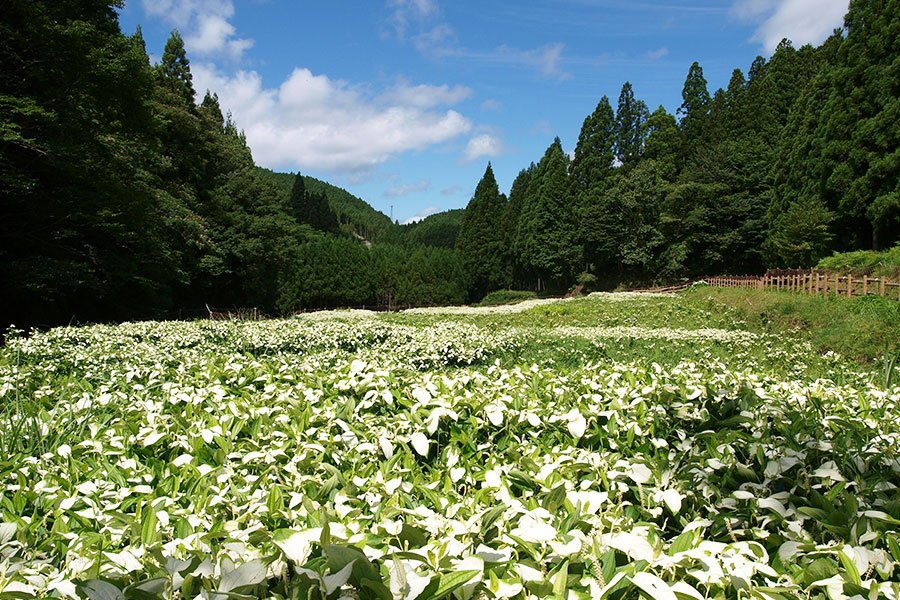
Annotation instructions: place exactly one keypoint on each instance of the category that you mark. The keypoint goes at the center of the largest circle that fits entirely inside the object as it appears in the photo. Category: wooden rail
(817, 283)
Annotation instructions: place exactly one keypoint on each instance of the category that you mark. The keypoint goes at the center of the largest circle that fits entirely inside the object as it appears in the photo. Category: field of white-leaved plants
(594, 448)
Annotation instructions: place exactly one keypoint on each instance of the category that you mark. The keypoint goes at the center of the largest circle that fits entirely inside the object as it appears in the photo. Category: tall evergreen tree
(547, 226)
(631, 117)
(695, 107)
(481, 241)
(176, 68)
(595, 151)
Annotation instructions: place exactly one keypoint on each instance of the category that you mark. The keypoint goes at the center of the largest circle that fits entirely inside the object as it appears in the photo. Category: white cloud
(426, 96)
(418, 217)
(317, 123)
(407, 188)
(452, 191)
(801, 21)
(215, 34)
(205, 23)
(485, 144)
(657, 54)
(408, 10)
(491, 105)
(542, 128)
(545, 59)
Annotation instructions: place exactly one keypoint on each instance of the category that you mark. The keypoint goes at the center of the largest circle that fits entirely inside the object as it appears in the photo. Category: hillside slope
(355, 214)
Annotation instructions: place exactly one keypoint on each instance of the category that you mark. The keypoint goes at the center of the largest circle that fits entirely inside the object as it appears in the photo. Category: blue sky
(403, 102)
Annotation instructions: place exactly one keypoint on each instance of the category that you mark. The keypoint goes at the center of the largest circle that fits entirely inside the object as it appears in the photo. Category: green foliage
(631, 130)
(481, 242)
(326, 272)
(546, 230)
(498, 297)
(884, 263)
(311, 208)
(595, 151)
(624, 443)
(859, 328)
(354, 214)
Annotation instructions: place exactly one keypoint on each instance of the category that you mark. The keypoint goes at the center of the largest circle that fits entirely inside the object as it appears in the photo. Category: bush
(885, 263)
(506, 297)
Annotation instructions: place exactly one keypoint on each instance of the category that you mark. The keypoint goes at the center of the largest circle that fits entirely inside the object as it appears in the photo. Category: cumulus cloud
(206, 23)
(491, 105)
(485, 144)
(418, 217)
(452, 191)
(317, 123)
(407, 188)
(801, 21)
(657, 54)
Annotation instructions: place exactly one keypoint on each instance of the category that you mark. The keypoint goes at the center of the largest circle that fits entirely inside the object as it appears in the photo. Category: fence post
(881, 281)
(849, 285)
(865, 285)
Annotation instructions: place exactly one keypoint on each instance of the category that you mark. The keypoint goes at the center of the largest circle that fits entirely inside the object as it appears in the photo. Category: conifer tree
(695, 107)
(547, 226)
(481, 241)
(176, 68)
(595, 151)
(631, 117)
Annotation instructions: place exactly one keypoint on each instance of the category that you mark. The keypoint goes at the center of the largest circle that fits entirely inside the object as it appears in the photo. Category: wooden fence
(817, 283)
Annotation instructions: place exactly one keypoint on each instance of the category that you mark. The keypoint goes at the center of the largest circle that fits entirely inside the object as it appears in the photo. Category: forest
(123, 197)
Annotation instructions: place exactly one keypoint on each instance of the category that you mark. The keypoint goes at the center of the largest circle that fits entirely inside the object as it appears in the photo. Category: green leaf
(682, 543)
(148, 525)
(894, 546)
(819, 569)
(450, 582)
(850, 567)
(341, 556)
(561, 579)
(555, 498)
(275, 501)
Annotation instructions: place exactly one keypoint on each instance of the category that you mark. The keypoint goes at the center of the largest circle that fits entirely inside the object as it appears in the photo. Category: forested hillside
(124, 198)
(355, 215)
(126, 193)
(793, 160)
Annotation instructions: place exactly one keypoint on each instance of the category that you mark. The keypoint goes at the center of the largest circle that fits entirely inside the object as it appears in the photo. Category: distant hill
(437, 231)
(355, 214)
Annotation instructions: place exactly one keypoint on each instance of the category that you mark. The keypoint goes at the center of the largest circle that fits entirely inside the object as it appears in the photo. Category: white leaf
(655, 587)
(335, 581)
(494, 414)
(577, 426)
(673, 499)
(296, 545)
(639, 473)
(386, 447)
(419, 443)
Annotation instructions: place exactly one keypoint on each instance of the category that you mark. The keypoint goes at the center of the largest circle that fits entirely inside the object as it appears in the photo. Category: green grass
(885, 263)
(858, 328)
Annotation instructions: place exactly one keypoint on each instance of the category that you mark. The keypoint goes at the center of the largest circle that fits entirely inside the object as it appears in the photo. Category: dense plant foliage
(482, 452)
